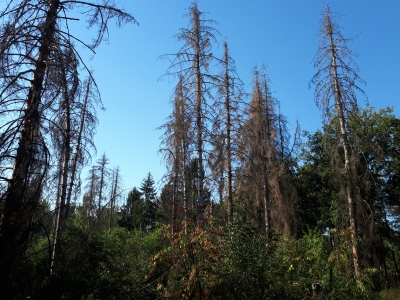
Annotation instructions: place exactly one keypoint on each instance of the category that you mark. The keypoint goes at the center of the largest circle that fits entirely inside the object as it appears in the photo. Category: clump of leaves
(187, 268)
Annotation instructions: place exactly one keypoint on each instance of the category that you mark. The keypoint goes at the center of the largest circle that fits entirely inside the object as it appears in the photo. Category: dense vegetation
(246, 211)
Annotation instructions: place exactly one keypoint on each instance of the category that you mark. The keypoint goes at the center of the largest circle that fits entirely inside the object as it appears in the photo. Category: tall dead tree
(69, 87)
(174, 147)
(76, 130)
(258, 133)
(230, 93)
(279, 194)
(90, 196)
(103, 173)
(85, 109)
(115, 194)
(263, 139)
(336, 95)
(192, 63)
(31, 32)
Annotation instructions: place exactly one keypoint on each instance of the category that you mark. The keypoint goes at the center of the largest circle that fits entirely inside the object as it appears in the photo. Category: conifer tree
(175, 150)
(115, 194)
(263, 153)
(192, 63)
(228, 102)
(132, 212)
(149, 195)
(336, 87)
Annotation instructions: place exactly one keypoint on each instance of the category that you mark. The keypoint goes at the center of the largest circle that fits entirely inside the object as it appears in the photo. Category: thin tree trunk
(91, 198)
(185, 203)
(199, 118)
(199, 122)
(78, 145)
(113, 198)
(174, 196)
(102, 170)
(228, 136)
(265, 153)
(349, 163)
(62, 207)
(266, 200)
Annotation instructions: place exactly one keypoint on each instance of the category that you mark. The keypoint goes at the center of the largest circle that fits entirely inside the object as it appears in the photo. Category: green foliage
(140, 209)
(210, 263)
(238, 263)
(390, 294)
(250, 268)
(187, 267)
(96, 263)
(149, 192)
(143, 260)
(317, 185)
(132, 213)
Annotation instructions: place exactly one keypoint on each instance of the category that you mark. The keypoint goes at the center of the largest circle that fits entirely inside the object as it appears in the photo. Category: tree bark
(228, 136)
(102, 170)
(185, 202)
(62, 207)
(113, 198)
(349, 160)
(199, 116)
(19, 206)
(78, 148)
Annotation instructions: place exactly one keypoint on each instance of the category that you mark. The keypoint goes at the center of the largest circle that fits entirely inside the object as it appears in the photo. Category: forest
(249, 208)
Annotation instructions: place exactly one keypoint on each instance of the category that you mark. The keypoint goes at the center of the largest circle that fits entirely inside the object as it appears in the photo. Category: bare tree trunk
(228, 136)
(68, 96)
(199, 113)
(199, 124)
(349, 160)
(264, 140)
(174, 201)
(62, 207)
(265, 160)
(78, 145)
(102, 169)
(266, 200)
(113, 197)
(91, 202)
(18, 210)
(185, 202)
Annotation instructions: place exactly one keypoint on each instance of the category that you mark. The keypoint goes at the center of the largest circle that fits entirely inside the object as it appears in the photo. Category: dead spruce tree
(115, 194)
(73, 141)
(263, 137)
(61, 135)
(228, 105)
(258, 135)
(192, 63)
(175, 149)
(31, 32)
(336, 95)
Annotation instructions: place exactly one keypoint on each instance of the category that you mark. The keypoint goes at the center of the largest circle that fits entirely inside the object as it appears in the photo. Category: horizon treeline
(249, 208)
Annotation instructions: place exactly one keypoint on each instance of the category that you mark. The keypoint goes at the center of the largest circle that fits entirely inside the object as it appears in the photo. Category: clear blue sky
(282, 34)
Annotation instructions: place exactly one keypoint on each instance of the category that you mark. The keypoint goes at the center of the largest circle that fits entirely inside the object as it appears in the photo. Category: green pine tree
(149, 193)
(132, 213)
